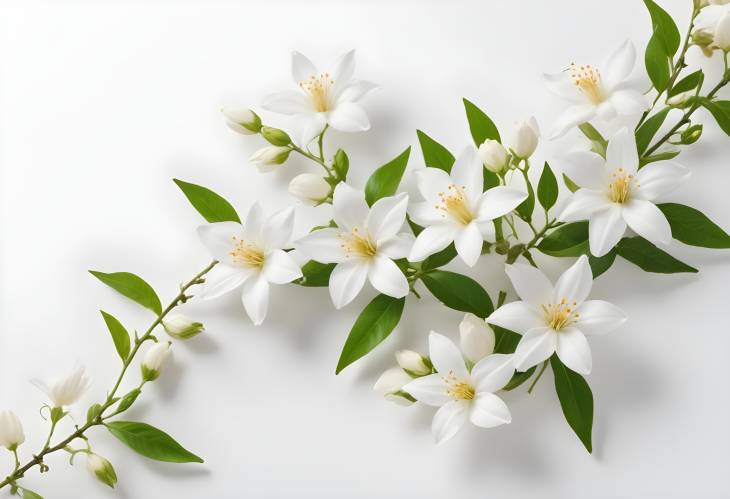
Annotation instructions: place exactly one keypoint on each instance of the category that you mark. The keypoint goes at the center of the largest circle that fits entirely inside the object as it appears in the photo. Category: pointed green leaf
(600, 264)
(151, 442)
(720, 110)
(598, 143)
(572, 186)
(518, 378)
(547, 188)
(209, 204)
(576, 400)
(315, 274)
(133, 287)
(649, 128)
(688, 83)
(648, 257)
(385, 180)
(692, 227)
(439, 259)
(458, 292)
(29, 494)
(120, 336)
(657, 62)
(434, 154)
(527, 206)
(480, 125)
(567, 240)
(665, 27)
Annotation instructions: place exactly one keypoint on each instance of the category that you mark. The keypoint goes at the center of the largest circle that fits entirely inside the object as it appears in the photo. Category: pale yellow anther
(246, 253)
(458, 389)
(588, 81)
(357, 243)
(455, 203)
(560, 315)
(319, 89)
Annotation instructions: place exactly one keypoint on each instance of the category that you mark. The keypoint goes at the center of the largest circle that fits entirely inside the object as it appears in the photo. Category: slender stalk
(37, 459)
(539, 375)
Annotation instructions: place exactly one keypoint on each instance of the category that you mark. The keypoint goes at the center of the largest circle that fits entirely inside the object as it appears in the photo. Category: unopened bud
(691, 134)
(390, 385)
(493, 155)
(477, 338)
(242, 120)
(275, 136)
(269, 158)
(102, 469)
(182, 328)
(309, 188)
(702, 38)
(681, 100)
(11, 430)
(154, 360)
(413, 363)
(524, 138)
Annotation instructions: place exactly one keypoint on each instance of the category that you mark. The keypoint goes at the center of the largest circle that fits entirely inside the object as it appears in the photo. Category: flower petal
(344, 69)
(571, 117)
(431, 390)
(628, 101)
(391, 381)
(598, 317)
(224, 278)
(536, 345)
(488, 410)
(290, 102)
(445, 356)
(431, 240)
(348, 117)
(218, 239)
(660, 178)
(255, 298)
(468, 242)
(355, 90)
(425, 213)
(302, 68)
(253, 224)
(618, 65)
(349, 207)
(386, 216)
(432, 182)
(280, 268)
(467, 173)
(621, 152)
(585, 168)
(530, 283)
(386, 277)
(477, 338)
(346, 281)
(517, 316)
(323, 246)
(397, 247)
(647, 220)
(575, 283)
(582, 204)
(499, 201)
(449, 419)
(574, 351)
(305, 127)
(605, 229)
(493, 372)
(563, 85)
(277, 230)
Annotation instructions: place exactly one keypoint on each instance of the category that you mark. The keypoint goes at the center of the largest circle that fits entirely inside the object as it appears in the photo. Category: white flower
(251, 256)
(614, 193)
(154, 360)
(323, 98)
(268, 158)
(461, 394)
(412, 362)
(309, 188)
(555, 319)
(390, 385)
(102, 469)
(722, 33)
(66, 390)
(364, 245)
(242, 120)
(477, 338)
(182, 328)
(710, 16)
(456, 210)
(11, 430)
(493, 155)
(524, 138)
(605, 94)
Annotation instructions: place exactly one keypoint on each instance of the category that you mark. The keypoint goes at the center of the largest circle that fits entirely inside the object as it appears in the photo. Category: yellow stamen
(619, 190)
(246, 253)
(458, 389)
(318, 89)
(588, 81)
(455, 203)
(560, 315)
(357, 243)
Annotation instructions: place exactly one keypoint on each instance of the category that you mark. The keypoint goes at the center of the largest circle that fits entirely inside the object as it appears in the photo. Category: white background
(102, 103)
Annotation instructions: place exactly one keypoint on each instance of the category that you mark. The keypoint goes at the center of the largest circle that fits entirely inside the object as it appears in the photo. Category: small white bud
(182, 328)
(11, 430)
(102, 469)
(524, 138)
(242, 120)
(309, 188)
(390, 385)
(477, 338)
(154, 360)
(267, 159)
(493, 155)
(722, 33)
(412, 362)
(680, 100)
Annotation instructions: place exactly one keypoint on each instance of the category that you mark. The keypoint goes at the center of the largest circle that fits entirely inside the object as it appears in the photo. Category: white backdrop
(102, 103)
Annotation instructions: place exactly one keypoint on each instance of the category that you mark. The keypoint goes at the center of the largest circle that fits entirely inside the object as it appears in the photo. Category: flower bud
(275, 136)
(182, 328)
(242, 120)
(11, 431)
(721, 37)
(477, 338)
(524, 138)
(493, 155)
(691, 134)
(390, 385)
(268, 158)
(309, 188)
(413, 363)
(102, 469)
(154, 360)
(681, 100)
(702, 38)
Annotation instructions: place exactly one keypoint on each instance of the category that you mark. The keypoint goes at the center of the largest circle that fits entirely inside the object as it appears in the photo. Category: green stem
(539, 375)
(20, 471)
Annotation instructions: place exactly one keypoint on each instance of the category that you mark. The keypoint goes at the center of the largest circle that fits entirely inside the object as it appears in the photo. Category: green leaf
(458, 292)
(209, 204)
(341, 164)
(120, 336)
(93, 412)
(648, 257)
(518, 378)
(315, 274)
(600, 264)
(29, 494)
(664, 156)
(480, 125)
(505, 340)
(439, 259)
(656, 61)
(527, 206)
(151, 442)
(547, 188)
(567, 240)
(692, 227)
(598, 142)
(576, 400)
(649, 128)
(491, 179)
(133, 287)
(434, 154)
(665, 28)
(385, 180)
(720, 110)
(417, 229)
(128, 400)
(572, 186)
(688, 83)
(373, 325)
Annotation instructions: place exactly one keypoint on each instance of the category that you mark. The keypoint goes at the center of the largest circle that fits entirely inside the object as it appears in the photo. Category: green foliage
(567, 240)
(547, 188)
(133, 287)
(315, 274)
(385, 180)
(688, 83)
(151, 442)
(434, 154)
(664, 26)
(209, 204)
(341, 164)
(692, 227)
(458, 292)
(720, 110)
(120, 336)
(480, 125)
(649, 128)
(576, 400)
(657, 62)
(648, 257)
(439, 259)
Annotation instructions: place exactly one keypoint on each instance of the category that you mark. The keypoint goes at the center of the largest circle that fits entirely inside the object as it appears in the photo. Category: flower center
(619, 190)
(458, 389)
(318, 89)
(560, 315)
(454, 203)
(357, 243)
(246, 253)
(588, 81)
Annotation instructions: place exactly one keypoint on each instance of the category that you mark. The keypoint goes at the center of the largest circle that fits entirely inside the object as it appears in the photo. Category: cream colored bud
(182, 328)
(102, 469)
(242, 120)
(524, 138)
(269, 158)
(11, 430)
(390, 385)
(154, 360)
(309, 188)
(412, 362)
(477, 338)
(493, 155)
